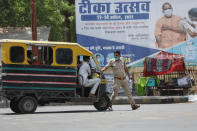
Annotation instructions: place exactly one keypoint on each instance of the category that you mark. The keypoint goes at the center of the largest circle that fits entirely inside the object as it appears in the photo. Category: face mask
(116, 58)
(168, 12)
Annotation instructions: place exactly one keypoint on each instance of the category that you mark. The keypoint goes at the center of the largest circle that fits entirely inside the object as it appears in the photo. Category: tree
(15, 13)
(57, 14)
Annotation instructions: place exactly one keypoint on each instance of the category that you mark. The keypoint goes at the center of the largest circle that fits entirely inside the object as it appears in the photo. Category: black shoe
(135, 106)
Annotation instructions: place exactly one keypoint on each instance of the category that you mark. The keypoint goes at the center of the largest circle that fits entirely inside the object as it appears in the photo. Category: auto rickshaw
(40, 72)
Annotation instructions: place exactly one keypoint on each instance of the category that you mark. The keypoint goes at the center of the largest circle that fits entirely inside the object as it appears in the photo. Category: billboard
(138, 28)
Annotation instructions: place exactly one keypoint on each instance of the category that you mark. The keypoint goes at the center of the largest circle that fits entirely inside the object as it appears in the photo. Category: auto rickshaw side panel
(38, 77)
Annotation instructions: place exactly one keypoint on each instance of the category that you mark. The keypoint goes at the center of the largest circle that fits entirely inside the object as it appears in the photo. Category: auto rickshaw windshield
(94, 64)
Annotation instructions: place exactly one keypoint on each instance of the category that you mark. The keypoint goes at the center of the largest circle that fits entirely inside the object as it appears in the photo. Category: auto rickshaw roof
(42, 43)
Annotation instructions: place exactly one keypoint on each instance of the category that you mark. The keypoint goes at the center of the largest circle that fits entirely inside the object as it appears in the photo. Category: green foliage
(14, 13)
(59, 15)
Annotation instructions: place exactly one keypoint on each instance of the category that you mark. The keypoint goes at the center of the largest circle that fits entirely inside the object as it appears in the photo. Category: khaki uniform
(118, 68)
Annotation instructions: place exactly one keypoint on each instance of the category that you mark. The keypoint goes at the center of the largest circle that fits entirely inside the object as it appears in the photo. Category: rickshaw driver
(84, 71)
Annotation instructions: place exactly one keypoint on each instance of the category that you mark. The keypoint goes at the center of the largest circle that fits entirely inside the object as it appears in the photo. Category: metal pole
(34, 28)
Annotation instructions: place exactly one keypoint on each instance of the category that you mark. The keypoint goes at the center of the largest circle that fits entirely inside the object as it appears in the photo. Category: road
(156, 117)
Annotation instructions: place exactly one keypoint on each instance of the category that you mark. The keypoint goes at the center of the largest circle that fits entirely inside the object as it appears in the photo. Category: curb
(153, 99)
(143, 100)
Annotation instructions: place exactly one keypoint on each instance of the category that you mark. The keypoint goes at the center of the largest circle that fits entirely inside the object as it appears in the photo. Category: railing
(165, 78)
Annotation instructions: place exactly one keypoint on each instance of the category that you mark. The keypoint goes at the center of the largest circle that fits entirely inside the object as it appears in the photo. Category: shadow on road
(73, 111)
(62, 112)
(55, 112)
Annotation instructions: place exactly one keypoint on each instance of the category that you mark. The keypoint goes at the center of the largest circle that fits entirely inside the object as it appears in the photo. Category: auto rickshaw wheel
(27, 104)
(103, 103)
(14, 106)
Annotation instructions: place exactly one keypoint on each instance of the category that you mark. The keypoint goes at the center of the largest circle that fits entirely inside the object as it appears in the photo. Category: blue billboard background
(128, 26)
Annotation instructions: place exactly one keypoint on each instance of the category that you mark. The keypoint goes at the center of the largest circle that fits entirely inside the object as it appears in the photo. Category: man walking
(120, 71)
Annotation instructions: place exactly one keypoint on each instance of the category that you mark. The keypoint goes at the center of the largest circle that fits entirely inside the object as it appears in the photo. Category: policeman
(120, 71)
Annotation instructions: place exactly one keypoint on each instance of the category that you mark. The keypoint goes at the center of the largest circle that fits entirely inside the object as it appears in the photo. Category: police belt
(120, 78)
